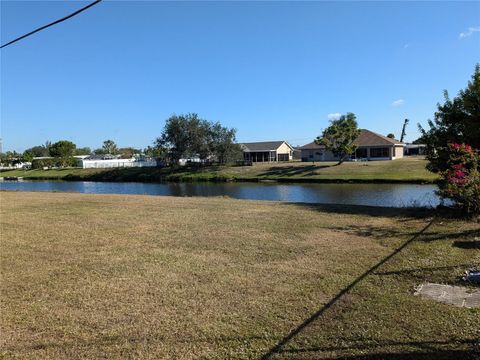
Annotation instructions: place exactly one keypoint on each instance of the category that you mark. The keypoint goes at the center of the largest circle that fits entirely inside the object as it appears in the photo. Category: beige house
(267, 151)
(371, 146)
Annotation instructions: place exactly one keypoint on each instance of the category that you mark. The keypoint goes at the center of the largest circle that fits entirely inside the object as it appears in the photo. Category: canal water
(389, 195)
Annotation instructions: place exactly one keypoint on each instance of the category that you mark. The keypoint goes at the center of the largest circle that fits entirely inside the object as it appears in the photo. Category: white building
(109, 161)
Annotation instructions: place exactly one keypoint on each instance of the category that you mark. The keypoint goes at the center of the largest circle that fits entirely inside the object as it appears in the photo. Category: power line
(51, 24)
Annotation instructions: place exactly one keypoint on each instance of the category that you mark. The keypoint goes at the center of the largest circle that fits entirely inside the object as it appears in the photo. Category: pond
(389, 195)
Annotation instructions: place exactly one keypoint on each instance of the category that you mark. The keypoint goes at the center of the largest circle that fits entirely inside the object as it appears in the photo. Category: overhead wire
(52, 23)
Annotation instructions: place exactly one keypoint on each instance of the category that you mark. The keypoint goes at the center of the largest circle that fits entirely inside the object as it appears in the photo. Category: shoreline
(225, 180)
(409, 171)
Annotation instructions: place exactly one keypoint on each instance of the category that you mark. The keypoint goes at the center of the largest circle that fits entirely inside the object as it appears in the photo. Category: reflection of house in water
(267, 151)
(371, 146)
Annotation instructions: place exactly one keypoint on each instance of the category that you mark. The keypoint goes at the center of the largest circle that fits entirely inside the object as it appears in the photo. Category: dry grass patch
(111, 276)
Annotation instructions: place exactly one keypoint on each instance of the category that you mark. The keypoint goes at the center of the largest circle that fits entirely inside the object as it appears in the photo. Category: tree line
(183, 137)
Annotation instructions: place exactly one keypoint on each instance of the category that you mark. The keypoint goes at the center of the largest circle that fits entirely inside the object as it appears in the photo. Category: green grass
(402, 170)
(111, 276)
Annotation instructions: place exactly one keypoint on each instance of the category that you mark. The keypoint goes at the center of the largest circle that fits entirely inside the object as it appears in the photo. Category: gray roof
(262, 146)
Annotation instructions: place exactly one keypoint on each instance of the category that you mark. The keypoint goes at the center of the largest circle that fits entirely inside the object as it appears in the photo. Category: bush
(54, 162)
(41, 163)
(460, 181)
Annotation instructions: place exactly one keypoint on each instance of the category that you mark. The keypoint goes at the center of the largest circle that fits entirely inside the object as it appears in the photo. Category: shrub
(54, 162)
(460, 181)
(41, 163)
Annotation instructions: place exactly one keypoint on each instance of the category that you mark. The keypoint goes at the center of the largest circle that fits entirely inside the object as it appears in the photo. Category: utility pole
(403, 130)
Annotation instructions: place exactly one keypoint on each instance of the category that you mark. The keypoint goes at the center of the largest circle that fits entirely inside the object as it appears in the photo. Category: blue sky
(273, 70)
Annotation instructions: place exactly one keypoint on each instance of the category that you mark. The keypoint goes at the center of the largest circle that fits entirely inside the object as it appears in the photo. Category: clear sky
(273, 70)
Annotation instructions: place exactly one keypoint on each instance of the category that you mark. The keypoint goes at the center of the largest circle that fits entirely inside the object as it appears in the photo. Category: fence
(116, 163)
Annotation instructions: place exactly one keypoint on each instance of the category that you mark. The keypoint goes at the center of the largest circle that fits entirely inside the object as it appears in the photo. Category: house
(371, 146)
(267, 151)
(415, 149)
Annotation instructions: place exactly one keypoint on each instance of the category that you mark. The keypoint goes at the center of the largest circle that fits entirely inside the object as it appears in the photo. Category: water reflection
(391, 195)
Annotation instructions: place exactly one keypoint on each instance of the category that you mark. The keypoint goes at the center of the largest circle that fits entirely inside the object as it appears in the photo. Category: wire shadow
(277, 347)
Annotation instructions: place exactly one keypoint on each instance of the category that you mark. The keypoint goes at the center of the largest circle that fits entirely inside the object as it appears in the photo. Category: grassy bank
(110, 276)
(403, 170)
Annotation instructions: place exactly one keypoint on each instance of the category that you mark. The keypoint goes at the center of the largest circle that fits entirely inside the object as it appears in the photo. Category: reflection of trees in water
(391, 195)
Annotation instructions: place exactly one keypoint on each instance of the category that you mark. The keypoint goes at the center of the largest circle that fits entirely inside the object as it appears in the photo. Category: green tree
(186, 136)
(10, 158)
(223, 144)
(420, 140)
(109, 147)
(128, 152)
(457, 121)
(62, 149)
(153, 152)
(391, 136)
(28, 156)
(83, 151)
(39, 150)
(340, 136)
(183, 136)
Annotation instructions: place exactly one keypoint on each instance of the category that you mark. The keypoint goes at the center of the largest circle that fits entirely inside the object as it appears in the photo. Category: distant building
(415, 149)
(267, 151)
(371, 146)
(297, 153)
(112, 161)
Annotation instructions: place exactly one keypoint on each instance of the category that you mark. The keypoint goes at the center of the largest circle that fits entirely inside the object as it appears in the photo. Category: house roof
(369, 138)
(263, 145)
(311, 146)
(366, 138)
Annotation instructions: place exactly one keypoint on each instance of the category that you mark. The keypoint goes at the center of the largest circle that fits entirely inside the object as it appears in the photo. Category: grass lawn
(401, 170)
(111, 276)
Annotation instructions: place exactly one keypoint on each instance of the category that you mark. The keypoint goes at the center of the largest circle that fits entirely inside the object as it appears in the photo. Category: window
(379, 152)
(283, 157)
(361, 153)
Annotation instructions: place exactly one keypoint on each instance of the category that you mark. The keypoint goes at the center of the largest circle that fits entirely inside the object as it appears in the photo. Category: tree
(339, 137)
(28, 156)
(10, 158)
(109, 147)
(174, 140)
(420, 140)
(461, 181)
(39, 150)
(153, 152)
(83, 151)
(128, 152)
(391, 136)
(62, 148)
(223, 144)
(186, 136)
(456, 121)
